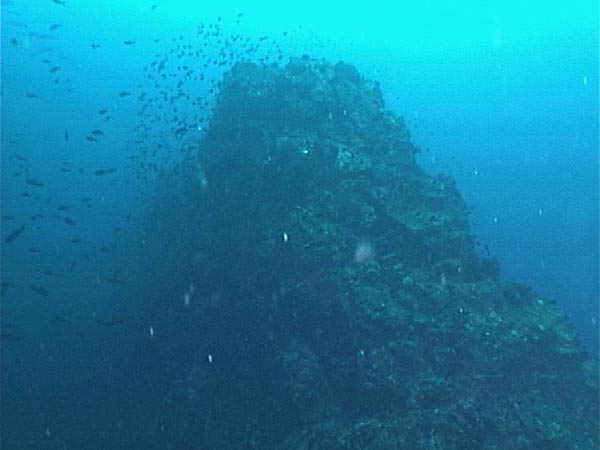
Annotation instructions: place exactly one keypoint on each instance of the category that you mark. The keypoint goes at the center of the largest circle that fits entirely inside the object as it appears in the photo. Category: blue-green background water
(502, 96)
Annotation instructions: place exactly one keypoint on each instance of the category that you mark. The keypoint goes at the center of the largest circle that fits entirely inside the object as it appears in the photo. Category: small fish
(59, 2)
(102, 111)
(5, 286)
(15, 234)
(33, 182)
(110, 322)
(128, 42)
(56, 26)
(70, 221)
(114, 280)
(95, 46)
(124, 93)
(39, 290)
(63, 208)
(31, 94)
(55, 69)
(91, 139)
(50, 273)
(97, 132)
(66, 135)
(105, 171)
(34, 250)
(9, 337)
(41, 51)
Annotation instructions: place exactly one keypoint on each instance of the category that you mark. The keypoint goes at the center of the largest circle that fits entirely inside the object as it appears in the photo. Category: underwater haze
(145, 150)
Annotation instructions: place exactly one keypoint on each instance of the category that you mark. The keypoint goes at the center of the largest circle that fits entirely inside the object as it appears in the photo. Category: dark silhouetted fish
(15, 234)
(128, 42)
(104, 171)
(9, 337)
(39, 290)
(33, 182)
(55, 69)
(31, 94)
(97, 132)
(124, 93)
(70, 221)
(5, 286)
(56, 26)
(91, 139)
(110, 322)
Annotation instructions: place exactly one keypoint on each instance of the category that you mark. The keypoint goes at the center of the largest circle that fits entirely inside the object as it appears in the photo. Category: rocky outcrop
(334, 295)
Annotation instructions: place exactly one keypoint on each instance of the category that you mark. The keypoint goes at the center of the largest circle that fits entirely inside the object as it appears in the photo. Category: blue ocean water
(501, 96)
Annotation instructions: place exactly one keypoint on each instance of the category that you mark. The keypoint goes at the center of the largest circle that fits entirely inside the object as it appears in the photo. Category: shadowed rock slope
(319, 290)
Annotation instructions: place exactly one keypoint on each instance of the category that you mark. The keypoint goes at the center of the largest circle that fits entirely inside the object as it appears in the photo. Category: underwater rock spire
(338, 292)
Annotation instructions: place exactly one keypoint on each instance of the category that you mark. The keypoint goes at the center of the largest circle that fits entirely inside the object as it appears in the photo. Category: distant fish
(50, 273)
(56, 26)
(15, 234)
(114, 280)
(128, 42)
(34, 250)
(59, 2)
(39, 290)
(105, 171)
(55, 69)
(110, 322)
(41, 36)
(31, 94)
(91, 139)
(33, 182)
(5, 286)
(95, 46)
(9, 337)
(41, 51)
(66, 135)
(102, 111)
(97, 132)
(124, 93)
(70, 221)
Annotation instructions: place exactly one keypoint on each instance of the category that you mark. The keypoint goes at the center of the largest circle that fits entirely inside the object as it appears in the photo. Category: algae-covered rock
(335, 299)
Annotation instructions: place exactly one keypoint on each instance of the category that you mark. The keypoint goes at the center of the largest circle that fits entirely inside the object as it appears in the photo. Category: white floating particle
(495, 219)
(151, 331)
(285, 237)
(186, 299)
(210, 358)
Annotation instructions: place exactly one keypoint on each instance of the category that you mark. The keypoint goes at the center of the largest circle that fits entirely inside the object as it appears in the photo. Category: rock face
(336, 299)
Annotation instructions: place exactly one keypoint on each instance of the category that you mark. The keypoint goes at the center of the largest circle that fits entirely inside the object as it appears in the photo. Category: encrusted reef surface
(332, 294)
